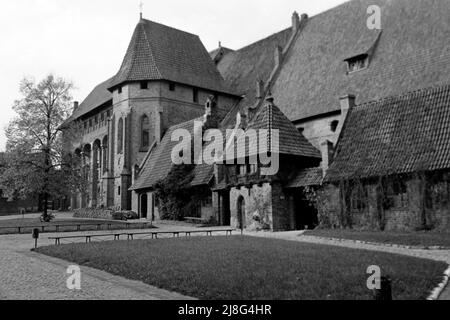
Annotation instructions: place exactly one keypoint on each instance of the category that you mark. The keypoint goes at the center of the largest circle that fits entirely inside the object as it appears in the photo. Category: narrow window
(120, 136)
(145, 132)
(171, 86)
(334, 125)
(242, 170)
(195, 95)
(144, 85)
(102, 116)
(96, 119)
(118, 191)
(252, 168)
(119, 90)
(90, 123)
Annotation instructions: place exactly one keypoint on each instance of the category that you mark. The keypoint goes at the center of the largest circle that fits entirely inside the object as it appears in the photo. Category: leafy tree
(37, 164)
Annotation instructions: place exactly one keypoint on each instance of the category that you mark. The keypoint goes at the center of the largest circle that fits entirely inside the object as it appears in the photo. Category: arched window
(145, 132)
(120, 136)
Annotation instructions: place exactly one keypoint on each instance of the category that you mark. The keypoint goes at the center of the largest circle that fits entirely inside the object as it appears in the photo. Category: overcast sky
(85, 40)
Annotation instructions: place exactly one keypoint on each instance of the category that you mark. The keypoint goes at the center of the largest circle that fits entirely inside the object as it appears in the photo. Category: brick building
(167, 76)
(391, 170)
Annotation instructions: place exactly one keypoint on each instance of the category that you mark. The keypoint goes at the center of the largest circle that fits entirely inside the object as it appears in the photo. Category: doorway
(305, 214)
(144, 206)
(241, 213)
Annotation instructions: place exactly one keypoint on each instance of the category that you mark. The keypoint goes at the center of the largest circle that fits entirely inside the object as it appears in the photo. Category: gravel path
(26, 275)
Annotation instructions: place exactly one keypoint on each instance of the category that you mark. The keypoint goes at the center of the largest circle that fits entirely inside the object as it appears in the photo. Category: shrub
(125, 215)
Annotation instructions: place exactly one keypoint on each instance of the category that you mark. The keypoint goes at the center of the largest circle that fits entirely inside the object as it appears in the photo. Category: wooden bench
(127, 225)
(88, 237)
(130, 235)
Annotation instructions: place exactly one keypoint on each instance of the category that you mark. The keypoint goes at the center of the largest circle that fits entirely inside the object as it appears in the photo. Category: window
(242, 169)
(96, 119)
(334, 125)
(120, 136)
(398, 195)
(357, 63)
(85, 125)
(359, 198)
(118, 191)
(252, 168)
(145, 132)
(171, 86)
(301, 130)
(438, 195)
(144, 85)
(108, 113)
(195, 95)
(90, 123)
(102, 116)
(119, 90)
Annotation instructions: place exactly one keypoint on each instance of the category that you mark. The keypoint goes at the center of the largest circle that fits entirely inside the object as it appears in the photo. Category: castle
(302, 81)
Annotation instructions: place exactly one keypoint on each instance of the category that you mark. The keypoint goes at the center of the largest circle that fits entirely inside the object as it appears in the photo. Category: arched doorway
(144, 206)
(241, 213)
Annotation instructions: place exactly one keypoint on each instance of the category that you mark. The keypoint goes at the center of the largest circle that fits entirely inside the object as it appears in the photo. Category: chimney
(259, 89)
(75, 105)
(295, 21)
(327, 151)
(347, 103)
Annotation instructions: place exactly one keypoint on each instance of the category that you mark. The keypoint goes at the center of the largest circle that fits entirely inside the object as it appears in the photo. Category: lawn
(10, 226)
(252, 268)
(422, 239)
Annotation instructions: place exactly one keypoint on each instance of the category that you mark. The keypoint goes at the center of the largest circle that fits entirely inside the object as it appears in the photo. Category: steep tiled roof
(290, 142)
(307, 178)
(395, 135)
(98, 97)
(412, 50)
(244, 67)
(159, 163)
(159, 52)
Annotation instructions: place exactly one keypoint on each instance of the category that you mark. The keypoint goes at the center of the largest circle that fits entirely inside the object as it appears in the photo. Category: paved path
(437, 255)
(27, 275)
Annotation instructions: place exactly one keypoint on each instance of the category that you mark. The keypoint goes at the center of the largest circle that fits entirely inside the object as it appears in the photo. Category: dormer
(359, 57)
(357, 63)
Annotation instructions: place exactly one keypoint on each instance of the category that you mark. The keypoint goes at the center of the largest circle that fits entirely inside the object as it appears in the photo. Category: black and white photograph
(224, 157)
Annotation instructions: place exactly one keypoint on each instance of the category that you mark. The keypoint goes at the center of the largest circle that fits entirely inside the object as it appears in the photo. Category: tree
(37, 162)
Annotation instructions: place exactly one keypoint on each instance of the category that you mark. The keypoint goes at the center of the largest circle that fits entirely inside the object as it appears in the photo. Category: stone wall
(376, 216)
(258, 206)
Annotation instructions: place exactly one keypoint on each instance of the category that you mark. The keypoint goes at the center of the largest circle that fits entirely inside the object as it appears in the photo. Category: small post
(35, 237)
(385, 291)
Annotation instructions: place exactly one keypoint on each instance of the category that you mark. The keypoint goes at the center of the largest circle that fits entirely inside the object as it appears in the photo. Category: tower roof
(159, 52)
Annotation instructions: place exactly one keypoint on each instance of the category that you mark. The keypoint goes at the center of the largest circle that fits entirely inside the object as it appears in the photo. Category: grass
(422, 239)
(10, 226)
(251, 268)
